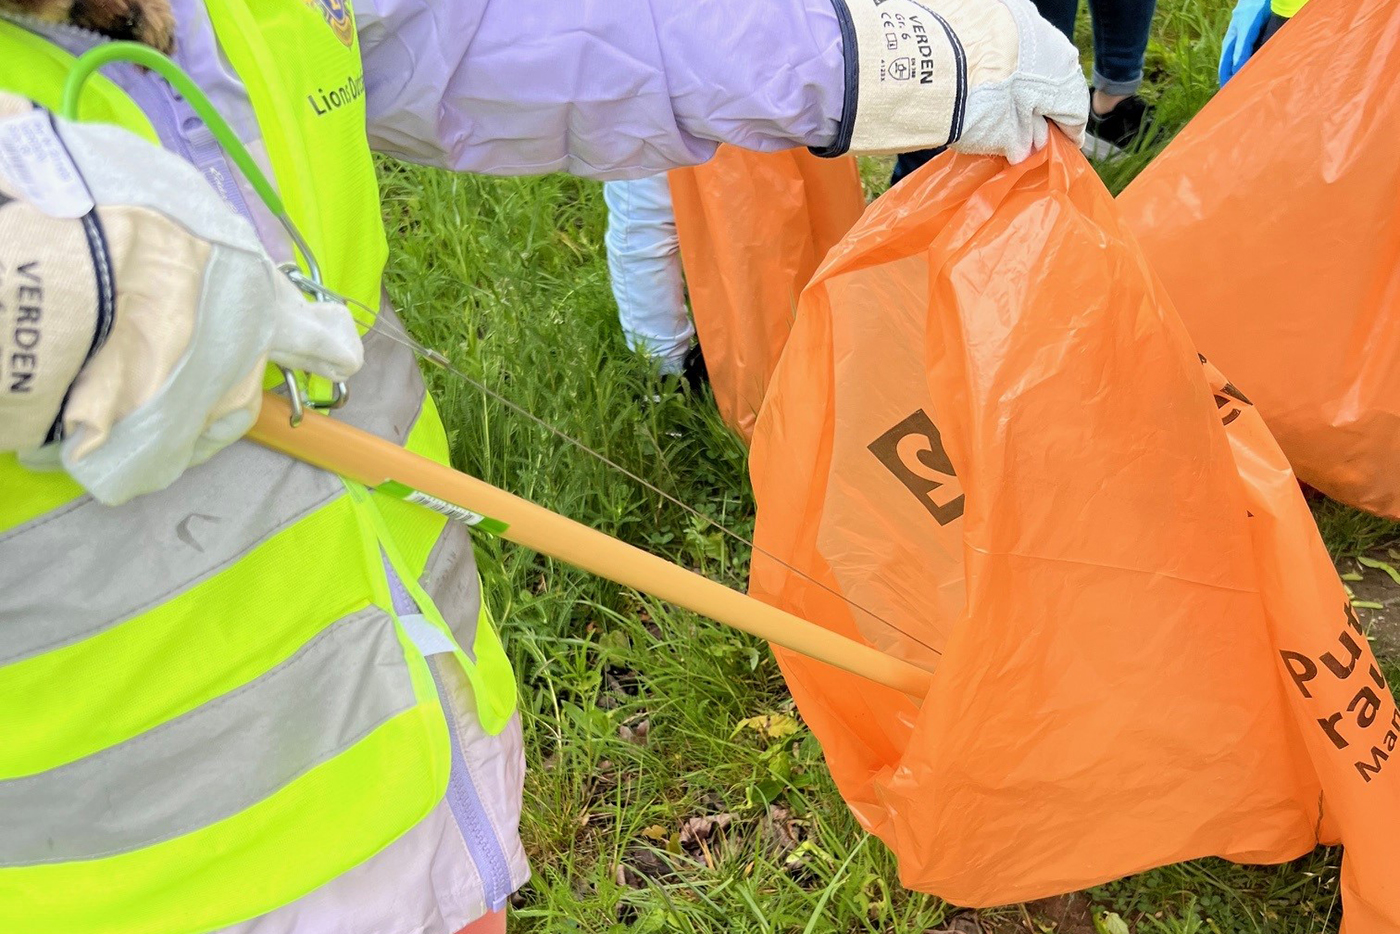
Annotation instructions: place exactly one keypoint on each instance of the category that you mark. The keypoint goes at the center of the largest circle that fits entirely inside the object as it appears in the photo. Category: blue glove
(1243, 35)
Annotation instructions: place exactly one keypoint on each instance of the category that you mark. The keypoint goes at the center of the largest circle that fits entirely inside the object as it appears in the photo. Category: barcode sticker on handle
(452, 511)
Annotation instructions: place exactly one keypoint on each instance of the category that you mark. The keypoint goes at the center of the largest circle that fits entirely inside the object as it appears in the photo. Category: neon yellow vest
(263, 645)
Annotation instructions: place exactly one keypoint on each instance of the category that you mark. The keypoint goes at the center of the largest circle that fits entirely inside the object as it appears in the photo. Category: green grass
(1349, 532)
(633, 711)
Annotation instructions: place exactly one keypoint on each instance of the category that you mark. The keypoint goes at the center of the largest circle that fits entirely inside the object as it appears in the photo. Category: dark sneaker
(693, 371)
(692, 378)
(1122, 129)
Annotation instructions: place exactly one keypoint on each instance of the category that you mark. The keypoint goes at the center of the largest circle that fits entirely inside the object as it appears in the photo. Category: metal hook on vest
(310, 284)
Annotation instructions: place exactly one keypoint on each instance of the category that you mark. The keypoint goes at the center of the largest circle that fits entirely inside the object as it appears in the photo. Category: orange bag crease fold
(992, 435)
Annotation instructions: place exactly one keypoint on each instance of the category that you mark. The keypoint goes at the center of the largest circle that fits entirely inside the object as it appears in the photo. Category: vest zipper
(195, 143)
(463, 799)
(465, 802)
(178, 127)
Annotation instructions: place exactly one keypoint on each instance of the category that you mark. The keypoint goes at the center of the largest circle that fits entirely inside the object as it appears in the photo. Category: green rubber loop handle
(90, 62)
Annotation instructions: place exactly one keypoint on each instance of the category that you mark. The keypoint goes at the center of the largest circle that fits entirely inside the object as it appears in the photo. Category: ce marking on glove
(896, 30)
(908, 38)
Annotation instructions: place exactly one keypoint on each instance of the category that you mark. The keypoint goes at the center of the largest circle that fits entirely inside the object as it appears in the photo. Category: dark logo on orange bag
(913, 452)
(1371, 718)
(1227, 399)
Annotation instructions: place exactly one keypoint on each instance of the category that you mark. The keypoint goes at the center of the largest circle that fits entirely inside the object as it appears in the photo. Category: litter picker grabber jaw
(391, 470)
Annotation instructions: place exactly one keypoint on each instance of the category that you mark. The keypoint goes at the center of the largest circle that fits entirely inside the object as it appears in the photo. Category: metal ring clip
(311, 285)
(289, 379)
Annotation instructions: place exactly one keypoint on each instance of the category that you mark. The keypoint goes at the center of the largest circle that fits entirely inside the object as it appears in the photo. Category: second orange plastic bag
(753, 228)
(990, 432)
(1274, 221)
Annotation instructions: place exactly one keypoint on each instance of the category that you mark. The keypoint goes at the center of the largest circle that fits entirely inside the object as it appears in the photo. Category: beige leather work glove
(986, 76)
(137, 310)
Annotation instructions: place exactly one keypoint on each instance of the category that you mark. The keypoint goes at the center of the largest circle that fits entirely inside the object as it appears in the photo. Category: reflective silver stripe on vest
(218, 759)
(75, 571)
(386, 396)
(450, 579)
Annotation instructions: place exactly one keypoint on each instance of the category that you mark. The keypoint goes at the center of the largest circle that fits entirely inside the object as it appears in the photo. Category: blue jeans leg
(1060, 13)
(1121, 28)
(907, 163)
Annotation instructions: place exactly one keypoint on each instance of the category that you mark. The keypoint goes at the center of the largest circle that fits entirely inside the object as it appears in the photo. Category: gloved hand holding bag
(983, 76)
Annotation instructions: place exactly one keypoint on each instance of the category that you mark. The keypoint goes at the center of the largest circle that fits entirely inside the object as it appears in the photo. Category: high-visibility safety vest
(209, 705)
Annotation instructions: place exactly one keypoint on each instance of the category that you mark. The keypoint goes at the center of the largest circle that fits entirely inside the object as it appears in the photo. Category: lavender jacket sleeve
(600, 88)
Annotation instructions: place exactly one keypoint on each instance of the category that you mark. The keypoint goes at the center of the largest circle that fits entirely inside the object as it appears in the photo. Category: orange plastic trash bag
(991, 449)
(753, 227)
(1274, 222)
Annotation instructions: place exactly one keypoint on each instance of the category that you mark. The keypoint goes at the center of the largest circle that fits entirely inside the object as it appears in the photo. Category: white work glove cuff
(55, 310)
(906, 77)
(982, 75)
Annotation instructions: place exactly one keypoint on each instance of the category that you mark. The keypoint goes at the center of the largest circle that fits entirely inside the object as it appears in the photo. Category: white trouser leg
(645, 264)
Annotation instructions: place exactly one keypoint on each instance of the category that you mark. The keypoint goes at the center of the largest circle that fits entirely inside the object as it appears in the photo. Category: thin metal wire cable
(401, 336)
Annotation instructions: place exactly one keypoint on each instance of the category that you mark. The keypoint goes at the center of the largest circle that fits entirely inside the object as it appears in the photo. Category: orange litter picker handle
(358, 455)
